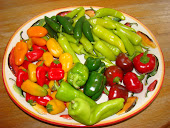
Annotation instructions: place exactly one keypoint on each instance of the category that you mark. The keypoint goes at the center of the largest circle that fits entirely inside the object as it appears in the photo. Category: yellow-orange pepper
(32, 72)
(65, 76)
(20, 50)
(48, 58)
(37, 31)
(53, 94)
(39, 108)
(66, 60)
(55, 106)
(33, 88)
(54, 47)
(29, 43)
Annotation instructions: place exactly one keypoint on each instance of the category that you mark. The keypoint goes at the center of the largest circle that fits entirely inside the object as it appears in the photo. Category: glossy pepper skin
(67, 93)
(92, 63)
(21, 77)
(144, 63)
(56, 64)
(43, 100)
(55, 26)
(34, 55)
(35, 47)
(55, 74)
(81, 111)
(30, 98)
(132, 82)
(78, 75)
(32, 72)
(41, 75)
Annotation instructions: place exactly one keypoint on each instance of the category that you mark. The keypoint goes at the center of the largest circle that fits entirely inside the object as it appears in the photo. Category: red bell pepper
(25, 64)
(36, 47)
(132, 82)
(144, 63)
(56, 74)
(41, 75)
(34, 55)
(21, 77)
(43, 100)
(30, 98)
(56, 64)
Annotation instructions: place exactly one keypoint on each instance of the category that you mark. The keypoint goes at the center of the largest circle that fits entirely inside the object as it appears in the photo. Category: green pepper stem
(57, 87)
(145, 59)
(141, 77)
(106, 91)
(100, 70)
(116, 79)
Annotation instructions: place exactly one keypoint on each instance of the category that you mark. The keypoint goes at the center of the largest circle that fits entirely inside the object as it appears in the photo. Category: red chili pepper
(30, 98)
(56, 74)
(21, 77)
(43, 100)
(34, 55)
(25, 64)
(41, 75)
(151, 87)
(114, 74)
(132, 82)
(56, 64)
(36, 47)
(144, 63)
(68, 117)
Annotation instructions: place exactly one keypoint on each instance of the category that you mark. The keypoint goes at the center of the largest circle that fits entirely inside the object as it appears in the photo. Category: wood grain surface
(155, 14)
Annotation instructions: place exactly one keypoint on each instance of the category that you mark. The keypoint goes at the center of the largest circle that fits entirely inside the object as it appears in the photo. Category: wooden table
(154, 14)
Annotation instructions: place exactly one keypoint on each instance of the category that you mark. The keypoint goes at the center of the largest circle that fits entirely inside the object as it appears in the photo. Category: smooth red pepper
(151, 87)
(43, 100)
(25, 64)
(30, 98)
(21, 77)
(114, 74)
(41, 75)
(34, 55)
(132, 82)
(36, 47)
(56, 64)
(144, 63)
(56, 74)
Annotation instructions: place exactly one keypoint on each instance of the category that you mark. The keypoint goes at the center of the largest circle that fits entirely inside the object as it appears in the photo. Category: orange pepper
(49, 91)
(29, 43)
(38, 41)
(66, 60)
(48, 58)
(37, 31)
(53, 94)
(55, 106)
(20, 50)
(32, 72)
(39, 62)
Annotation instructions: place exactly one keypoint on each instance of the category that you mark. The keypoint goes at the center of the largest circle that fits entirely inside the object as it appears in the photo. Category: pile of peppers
(51, 77)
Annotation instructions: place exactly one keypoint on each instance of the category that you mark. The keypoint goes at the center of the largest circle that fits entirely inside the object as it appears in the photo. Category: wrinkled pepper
(66, 60)
(78, 75)
(33, 88)
(32, 72)
(80, 110)
(22, 76)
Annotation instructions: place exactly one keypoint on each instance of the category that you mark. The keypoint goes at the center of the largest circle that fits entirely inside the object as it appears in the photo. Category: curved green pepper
(92, 63)
(74, 12)
(81, 111)
(67, 93)
(79, 14)
(51, 32)
(78, 48)
(78, 75)
(70, 38)
(55, 26)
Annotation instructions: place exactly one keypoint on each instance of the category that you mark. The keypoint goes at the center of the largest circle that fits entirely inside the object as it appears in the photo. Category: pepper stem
(116, 79)
(56, 86)
(145, 59)
(100, 70)
(106, 91)
(141, 77)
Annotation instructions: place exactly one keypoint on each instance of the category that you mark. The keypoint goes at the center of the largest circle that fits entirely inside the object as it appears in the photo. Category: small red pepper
(21, 77)
(63, 13)
(68, 117)
(114, 74)
(130, 24)
(56, 64)
(34, 55)
(25, 64)
(41, 75)
(56, 74)
(30, 98)
(43, 100)
(151, 87)
(144, 63)
(132, 82)
(36, 47)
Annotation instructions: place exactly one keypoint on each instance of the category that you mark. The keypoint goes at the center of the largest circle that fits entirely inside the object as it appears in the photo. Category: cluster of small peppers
(47, 57)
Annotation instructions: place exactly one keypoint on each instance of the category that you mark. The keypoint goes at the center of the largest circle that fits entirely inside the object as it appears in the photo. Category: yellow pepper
(66, 60)
(48, 58)
(33, 88)
(29, 43)
(39, 108)
(51, 85)
(53, 94)
(32, 72)
(55, 106)
(65, 76)
(54, 47)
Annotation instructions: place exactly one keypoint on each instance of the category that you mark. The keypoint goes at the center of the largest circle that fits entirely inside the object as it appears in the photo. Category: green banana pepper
(74, 12)
(78, 48)
(80, 110)
(95, 84)
(87, 30)
(67, 93)
(78, 75)
(79, 14)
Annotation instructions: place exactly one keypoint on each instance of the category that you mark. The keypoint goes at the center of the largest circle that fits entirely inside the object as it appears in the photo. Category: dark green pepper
(92, 63)
(55, 26)
(78, 75)
(102, 64)
(87, 31)
(54, 18)
(69, 19)
(81, 111)
(51, 32)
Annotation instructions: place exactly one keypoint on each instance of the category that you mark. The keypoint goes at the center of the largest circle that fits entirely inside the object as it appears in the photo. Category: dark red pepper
(132, 82)
(114, 74)
(36, 47)
(21, 77)
(56, 64)
(34, 55)
(43, 100)
(25, 64)
(30, 98)
(144, 63)
(56, 74)
(151, 87)
(41, 75)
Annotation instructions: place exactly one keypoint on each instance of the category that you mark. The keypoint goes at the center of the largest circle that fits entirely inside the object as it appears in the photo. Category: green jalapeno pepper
(92, 63)
(109, 37)
(78, 75)
(74, 12)
(81, 111)
(70, 20)
(109, 12)
(55, 26)
(51, 32)
(78, 28)
(54, 18)
(67, 93)
(40, 22)
(128, 45)
(78, 48)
